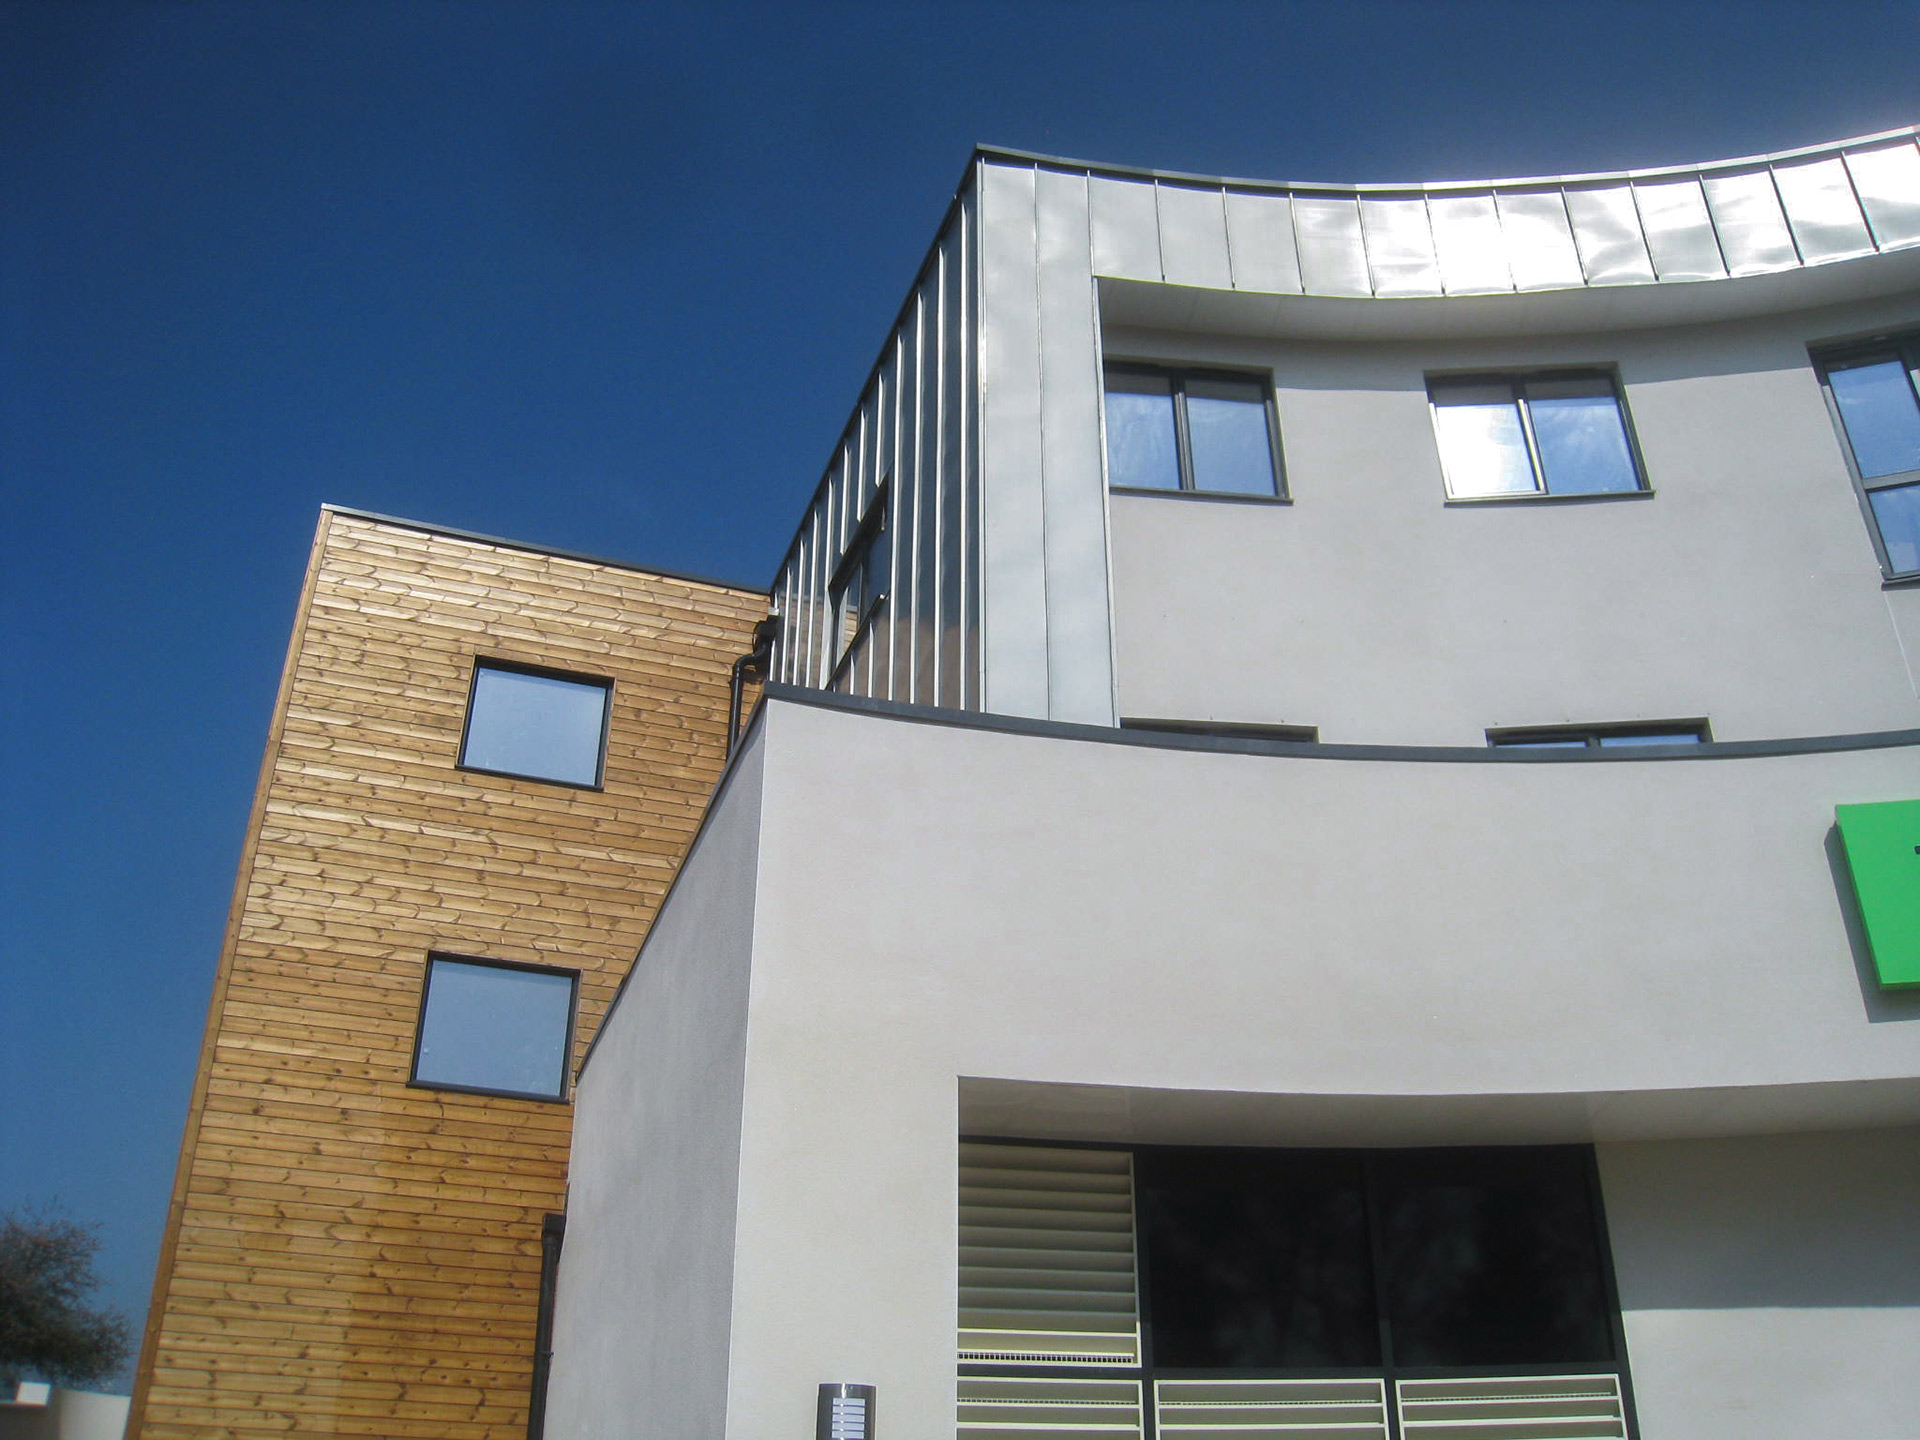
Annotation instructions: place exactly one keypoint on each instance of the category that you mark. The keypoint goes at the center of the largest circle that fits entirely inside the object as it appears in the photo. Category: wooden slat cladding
(346, 1254)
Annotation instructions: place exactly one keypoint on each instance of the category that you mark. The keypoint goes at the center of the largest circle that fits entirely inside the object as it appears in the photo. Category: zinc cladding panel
(1400, 251)
(346, 1254)
(1260, 242)
(1606, 227)
(1333, 251)
(1887, 180)
(1679, 231)
(1013, 618)
(1193, 236)
(1820, 205)
(1079, 643)
(1748, 219)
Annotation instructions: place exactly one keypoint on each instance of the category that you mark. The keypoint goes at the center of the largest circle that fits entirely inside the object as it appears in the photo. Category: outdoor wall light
(846, 1413)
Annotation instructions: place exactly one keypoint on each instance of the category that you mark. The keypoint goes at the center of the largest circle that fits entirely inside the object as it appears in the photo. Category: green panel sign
(1883, 851)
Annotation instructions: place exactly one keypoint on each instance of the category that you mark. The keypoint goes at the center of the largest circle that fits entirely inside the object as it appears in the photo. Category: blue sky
(600, 276)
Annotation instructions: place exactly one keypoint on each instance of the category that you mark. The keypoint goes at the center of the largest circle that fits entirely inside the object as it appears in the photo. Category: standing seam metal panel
(1013, 662)
(1072, 483)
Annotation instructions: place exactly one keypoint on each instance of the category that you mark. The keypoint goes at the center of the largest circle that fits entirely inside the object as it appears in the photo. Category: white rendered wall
(1744, 589)
(1245, 949)
(642, 1325)
(1770, 1286)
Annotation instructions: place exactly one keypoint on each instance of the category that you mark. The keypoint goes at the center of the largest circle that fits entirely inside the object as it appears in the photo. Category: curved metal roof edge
(1002, 152)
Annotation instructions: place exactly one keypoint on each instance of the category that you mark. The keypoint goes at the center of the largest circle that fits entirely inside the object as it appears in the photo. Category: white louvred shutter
(1016, 1409)
(1521, 1407)
(1047, 1256)
(1271, 1409)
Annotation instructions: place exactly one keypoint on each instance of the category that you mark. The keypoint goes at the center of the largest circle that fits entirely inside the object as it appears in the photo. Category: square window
(495, 1027)
(536, 724)
(1553, 434)
(1200, 431)
(1876, 410)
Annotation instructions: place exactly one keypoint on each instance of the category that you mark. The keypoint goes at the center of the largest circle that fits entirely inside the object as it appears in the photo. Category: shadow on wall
(1788, 1221)
(1880, 1004)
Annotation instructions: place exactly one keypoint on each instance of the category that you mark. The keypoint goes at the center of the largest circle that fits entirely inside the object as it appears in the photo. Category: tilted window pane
(536, 725)
(1141, 447)
(1228, 435)
(1898, 512)
(1491, 1259)
(1582, 439)
(1483, 449)
(1883, 423)
(1505, 743)
(1257, 1258)
(495, 1028)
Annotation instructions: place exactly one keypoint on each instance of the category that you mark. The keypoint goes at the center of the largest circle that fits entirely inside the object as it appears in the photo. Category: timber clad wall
(346, 1254)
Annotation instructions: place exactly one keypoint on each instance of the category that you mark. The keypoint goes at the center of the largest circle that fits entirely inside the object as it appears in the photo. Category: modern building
(431, 916)
(1332, 847)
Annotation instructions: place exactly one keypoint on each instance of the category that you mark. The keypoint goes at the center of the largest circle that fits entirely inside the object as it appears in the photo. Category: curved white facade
(1324, 910)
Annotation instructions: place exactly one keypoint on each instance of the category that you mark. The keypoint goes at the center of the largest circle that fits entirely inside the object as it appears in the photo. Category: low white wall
(56, 1413)
(1770, 1286)
(642, 1327)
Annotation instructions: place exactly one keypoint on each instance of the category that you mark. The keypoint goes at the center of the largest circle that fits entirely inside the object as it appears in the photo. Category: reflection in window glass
(1583, 443)
(1556, 435)
(1483, 447)
(1193, 430)
(1143, 447)
(1651, 737)
(1227, 431)
(539, 726)
(1257, 1258)
(1883, 423)
(1898, 513)
(495, 1027)
(1490, 1260)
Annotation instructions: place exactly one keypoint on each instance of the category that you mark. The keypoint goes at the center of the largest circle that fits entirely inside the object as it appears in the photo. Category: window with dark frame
(536, 724)
(1202, 432)
(495, 1027)
(1600, 737)
(1314, 1289)
(1871, 392)
(859, 585)
(1561, 432)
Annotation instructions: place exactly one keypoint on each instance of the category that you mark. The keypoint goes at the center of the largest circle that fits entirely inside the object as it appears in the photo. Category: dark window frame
(1177, 377)
(1517, 381)
(1147, 1372)
(871, 542)
(1904, 348)
(563, 1096)
(1230, 729)
(546, 672)
(1596, 737)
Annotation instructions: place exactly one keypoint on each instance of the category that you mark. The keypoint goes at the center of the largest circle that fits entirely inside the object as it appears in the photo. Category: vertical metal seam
(1299, 254)
(1853, 189)
(938, 608)
(1653, 265)
(962, 551)
(1040, 409)
(1786, 216)
(919, 492)
(1233, 276)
